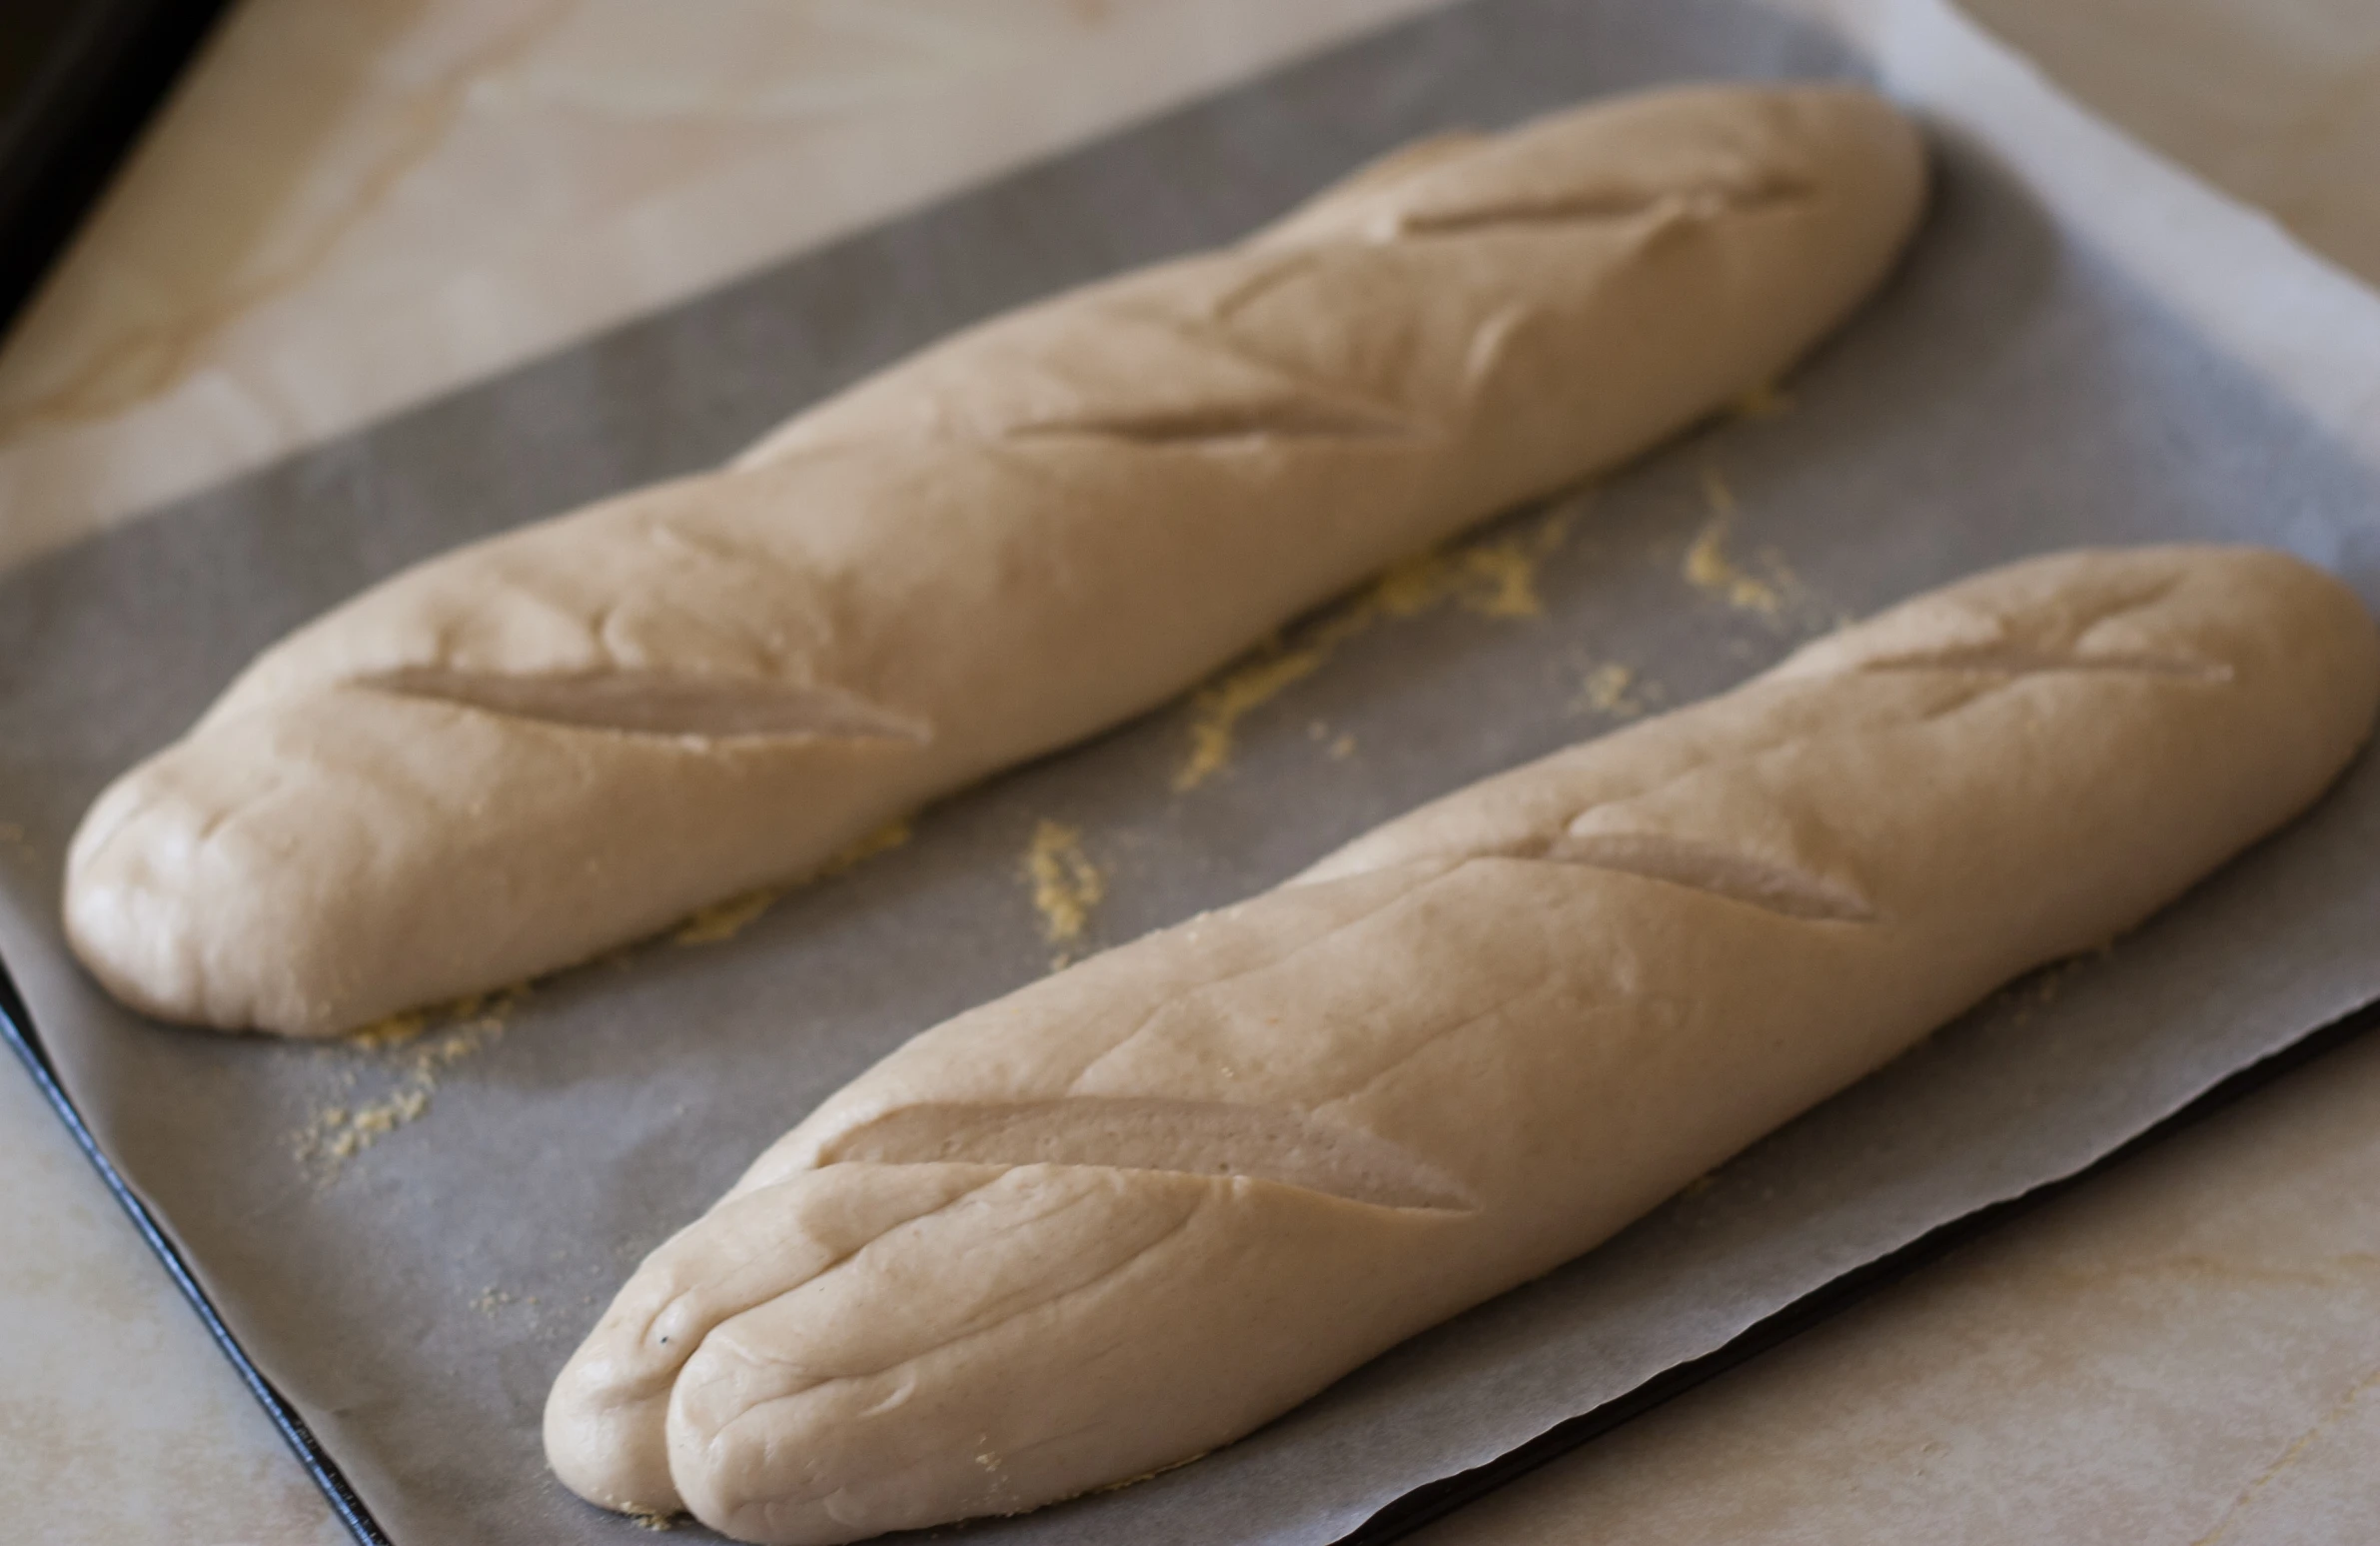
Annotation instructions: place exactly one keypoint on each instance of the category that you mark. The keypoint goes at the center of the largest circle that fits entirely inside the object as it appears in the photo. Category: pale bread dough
(1130, 1212)
(521, 753)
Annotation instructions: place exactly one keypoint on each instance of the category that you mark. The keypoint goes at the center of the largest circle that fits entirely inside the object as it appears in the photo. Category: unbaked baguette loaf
(1133, 1210)
(521, 753)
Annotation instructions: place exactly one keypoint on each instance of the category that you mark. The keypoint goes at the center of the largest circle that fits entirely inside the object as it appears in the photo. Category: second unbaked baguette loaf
(518, 755)
(1133, 1210)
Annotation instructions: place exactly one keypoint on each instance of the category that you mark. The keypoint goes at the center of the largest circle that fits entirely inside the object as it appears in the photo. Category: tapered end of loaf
(2219, 615)
(1695, 147)
(153, 911)
(312, 865)
(604, 1429)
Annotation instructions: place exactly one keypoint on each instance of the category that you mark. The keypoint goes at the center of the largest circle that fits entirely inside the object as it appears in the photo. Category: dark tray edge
(16, 1025)
(83, 109)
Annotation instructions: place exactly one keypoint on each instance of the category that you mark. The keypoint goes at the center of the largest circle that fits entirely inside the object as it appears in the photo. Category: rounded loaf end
(166, 912)
(603, 1432)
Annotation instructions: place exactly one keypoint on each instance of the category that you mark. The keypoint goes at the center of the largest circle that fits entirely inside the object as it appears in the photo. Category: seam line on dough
(1132, 1260)
(1074, 1085)
(1453, 1027)
(681, 1295)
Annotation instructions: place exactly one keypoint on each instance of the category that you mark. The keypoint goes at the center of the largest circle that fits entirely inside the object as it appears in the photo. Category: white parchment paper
(2083, 347)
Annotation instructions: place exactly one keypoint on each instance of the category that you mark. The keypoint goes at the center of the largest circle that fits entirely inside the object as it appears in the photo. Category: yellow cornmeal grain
(1499, 579)
(399, 1029)
(1611, 689)
(396, 1030)
(1067, 884)
(1708, 566)
(336, 1134)
(883, 839)
(724, 921)
(1493, 577)
(1215, 713)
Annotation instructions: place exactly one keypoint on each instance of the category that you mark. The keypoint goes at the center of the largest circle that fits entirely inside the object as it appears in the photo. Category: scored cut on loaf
(1133, 1210)
(521, 753)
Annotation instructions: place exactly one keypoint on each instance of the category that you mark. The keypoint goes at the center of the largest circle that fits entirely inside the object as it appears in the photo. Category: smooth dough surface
(1135, 1210)
(518, 755)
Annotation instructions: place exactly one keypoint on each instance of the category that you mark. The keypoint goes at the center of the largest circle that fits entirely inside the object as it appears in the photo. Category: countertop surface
(350, 208)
